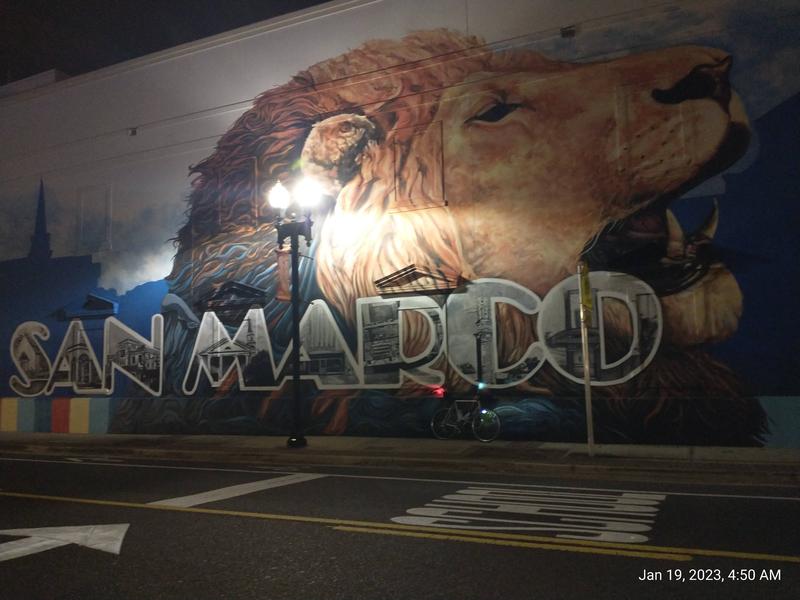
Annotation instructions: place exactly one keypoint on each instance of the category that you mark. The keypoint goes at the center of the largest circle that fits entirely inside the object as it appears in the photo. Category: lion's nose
(703, 81)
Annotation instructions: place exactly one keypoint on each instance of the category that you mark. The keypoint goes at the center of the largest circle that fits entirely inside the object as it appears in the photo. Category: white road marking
(428, 480)
(238, 490)
(611, 517)
(106, 538)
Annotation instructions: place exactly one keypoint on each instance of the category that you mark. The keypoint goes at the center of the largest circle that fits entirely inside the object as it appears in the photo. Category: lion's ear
(333, 149)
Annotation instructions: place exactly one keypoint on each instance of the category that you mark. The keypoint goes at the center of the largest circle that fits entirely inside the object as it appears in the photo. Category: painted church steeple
(40, 240)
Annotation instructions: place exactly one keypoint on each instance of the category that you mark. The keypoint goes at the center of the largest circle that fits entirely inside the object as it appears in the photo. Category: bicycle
(451, 421)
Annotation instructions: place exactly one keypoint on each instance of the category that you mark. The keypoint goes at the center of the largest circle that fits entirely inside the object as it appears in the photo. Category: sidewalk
(746, 466)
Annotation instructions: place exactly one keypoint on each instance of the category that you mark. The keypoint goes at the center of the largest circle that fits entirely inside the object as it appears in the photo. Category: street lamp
(306, 193)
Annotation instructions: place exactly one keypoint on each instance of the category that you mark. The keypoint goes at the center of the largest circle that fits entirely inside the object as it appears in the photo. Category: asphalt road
(148, 530)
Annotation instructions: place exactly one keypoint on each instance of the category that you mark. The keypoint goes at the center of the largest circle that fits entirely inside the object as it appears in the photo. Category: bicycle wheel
(486, 425)
(442, 424)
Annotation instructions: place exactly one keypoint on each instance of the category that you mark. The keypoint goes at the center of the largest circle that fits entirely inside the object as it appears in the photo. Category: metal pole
(296, 439)
(586, 317)
(479, 358)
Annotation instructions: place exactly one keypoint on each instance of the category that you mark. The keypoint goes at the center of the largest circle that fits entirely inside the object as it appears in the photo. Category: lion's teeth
(709, 228)
(675, 238)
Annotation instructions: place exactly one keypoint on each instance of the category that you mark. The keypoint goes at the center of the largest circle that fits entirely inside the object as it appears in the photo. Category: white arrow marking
(106, 538)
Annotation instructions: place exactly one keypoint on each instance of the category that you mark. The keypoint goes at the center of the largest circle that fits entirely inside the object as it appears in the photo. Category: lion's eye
(496, 112)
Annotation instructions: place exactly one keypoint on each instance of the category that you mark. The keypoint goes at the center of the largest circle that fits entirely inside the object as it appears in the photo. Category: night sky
(78, 36)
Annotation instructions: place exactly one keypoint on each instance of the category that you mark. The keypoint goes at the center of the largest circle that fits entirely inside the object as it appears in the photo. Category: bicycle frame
(465, 414)
(464, 410)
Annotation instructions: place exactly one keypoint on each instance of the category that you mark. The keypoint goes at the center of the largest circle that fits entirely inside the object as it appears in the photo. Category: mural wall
(462, 182)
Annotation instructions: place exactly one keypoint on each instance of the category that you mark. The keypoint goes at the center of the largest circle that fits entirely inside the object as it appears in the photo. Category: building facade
(470, 154)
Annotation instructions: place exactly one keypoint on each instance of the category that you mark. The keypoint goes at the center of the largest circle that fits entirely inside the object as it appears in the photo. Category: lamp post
(306, 193)
(585, 296)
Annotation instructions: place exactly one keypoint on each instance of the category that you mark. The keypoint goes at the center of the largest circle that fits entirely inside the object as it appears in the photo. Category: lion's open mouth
(651, 244)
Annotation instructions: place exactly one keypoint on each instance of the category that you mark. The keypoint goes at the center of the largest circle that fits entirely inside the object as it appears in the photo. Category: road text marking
(583, 515)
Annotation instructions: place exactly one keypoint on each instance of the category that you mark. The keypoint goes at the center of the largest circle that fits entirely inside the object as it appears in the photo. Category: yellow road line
(392, 527)
(518, 544)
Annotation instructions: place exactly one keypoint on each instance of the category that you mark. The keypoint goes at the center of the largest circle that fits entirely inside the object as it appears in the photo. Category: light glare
(307, 192)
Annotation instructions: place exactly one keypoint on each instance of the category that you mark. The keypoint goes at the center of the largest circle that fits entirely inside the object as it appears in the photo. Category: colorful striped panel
(56, 415)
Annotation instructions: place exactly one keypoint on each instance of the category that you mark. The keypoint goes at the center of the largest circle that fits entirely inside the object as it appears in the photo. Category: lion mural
(468, 163)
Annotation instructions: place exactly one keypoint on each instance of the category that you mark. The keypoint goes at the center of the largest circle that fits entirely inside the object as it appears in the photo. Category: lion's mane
(399, 87)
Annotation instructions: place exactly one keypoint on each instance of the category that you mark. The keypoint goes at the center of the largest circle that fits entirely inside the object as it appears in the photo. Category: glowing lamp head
(481, 385)
(279, 197)
(438, 392)
(307, 192)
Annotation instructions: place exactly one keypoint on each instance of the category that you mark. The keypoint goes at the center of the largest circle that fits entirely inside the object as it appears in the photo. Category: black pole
(296, 439)
(479, 358)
